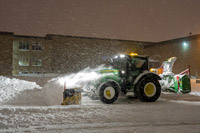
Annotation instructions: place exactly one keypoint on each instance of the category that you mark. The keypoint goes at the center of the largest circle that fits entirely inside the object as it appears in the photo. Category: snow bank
(186, 102)
(21, 92)
(10, 88)
(191, 93)
(195, 93)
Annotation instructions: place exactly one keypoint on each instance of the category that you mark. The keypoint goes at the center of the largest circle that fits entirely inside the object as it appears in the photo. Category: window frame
(24, 59)
(24, 46)
(35, 59)
(36, 46)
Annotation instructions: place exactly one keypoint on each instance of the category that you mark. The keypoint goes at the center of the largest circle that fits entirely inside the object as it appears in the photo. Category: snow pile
(195, 93)
(10, 88)
(186, 102)
(20, 92)
(80, 79)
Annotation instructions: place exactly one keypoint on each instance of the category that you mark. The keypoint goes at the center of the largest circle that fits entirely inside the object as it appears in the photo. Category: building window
(23, 72)
(36, 46)
(23, 61)
(36, 62)
(35, 72)
(23, 45)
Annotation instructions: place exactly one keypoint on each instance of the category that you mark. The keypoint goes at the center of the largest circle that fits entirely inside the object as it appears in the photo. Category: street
(168, 114)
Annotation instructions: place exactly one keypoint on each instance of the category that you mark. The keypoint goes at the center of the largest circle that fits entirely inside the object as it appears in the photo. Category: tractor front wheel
(108, 92)
(148, 89)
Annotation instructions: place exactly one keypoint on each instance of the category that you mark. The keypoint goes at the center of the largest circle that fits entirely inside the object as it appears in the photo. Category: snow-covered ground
(123, 116)
(38, 110)
(195, 93)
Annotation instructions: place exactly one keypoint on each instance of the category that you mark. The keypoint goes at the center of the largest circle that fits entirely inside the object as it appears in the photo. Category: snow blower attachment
(178, 83)
(71, 96)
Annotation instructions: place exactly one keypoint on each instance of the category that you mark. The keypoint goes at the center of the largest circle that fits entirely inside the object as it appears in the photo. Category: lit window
(36, 46)
(36, 62)
(23, 61)
(23, 45)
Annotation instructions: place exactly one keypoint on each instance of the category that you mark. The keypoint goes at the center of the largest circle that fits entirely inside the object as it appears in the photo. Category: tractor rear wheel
(148, 89)
(108, 92)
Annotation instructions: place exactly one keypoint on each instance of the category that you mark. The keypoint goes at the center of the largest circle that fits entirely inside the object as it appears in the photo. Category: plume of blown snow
(80, 79)
(10, 88)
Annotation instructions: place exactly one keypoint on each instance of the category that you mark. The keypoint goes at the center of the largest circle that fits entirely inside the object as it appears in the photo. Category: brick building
(64, 54)
(57, 53)
(6, 50)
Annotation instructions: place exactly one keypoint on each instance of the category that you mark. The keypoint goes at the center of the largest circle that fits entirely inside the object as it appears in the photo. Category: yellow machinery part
(75, 99)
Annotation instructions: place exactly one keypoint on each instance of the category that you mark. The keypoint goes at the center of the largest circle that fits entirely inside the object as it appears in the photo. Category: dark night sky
(144, 20)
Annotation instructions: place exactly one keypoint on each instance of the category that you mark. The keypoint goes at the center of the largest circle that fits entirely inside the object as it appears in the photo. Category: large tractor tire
(108, 92)
(148, 89)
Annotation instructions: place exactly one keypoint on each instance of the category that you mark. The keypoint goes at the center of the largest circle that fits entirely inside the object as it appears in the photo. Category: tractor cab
(130, 65)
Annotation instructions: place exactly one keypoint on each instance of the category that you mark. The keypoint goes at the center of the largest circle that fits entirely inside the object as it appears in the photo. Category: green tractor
(129, 74)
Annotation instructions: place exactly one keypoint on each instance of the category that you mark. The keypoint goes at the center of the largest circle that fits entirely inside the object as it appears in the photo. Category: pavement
(174, 113)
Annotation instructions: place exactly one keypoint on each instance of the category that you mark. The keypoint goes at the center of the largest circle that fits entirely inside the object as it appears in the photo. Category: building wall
(186, 55)
(70, 54)
(66, 54)
(44, 54)
(6, 40)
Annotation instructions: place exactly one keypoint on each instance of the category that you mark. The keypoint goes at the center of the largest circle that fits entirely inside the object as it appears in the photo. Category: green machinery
(178, 83)
(129, 74)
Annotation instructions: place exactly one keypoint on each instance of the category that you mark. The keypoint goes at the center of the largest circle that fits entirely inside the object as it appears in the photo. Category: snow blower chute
(178, 83)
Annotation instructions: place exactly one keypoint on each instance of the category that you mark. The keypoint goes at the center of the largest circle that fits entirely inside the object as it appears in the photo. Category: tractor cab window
(120, 63)
(140, 63)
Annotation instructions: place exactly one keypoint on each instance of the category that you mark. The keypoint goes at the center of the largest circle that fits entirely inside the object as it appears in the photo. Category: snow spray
(80, 79)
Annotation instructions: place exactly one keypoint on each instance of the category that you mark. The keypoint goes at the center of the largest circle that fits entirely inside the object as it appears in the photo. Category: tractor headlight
(122, 55)
(123, 72)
